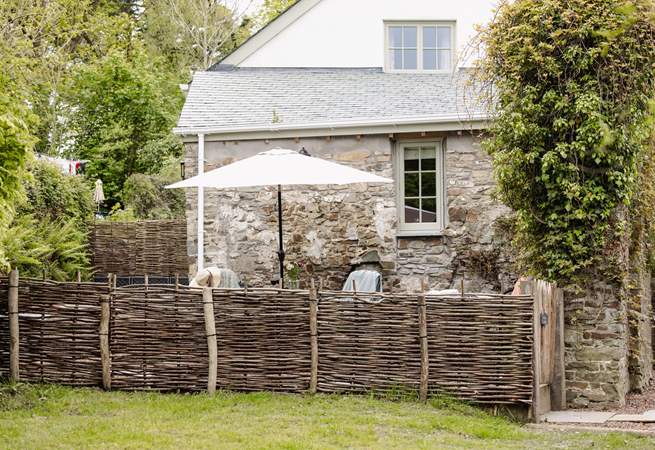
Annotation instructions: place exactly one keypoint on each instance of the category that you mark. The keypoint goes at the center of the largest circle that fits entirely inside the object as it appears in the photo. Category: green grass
(41, 416)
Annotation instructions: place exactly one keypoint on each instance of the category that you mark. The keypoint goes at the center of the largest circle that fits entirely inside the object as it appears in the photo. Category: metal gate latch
(543, 319)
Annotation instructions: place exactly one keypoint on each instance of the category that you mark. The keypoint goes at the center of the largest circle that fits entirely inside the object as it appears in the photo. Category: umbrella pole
(280, 252)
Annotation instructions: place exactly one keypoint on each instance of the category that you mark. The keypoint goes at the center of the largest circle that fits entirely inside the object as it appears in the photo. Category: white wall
(350, 33)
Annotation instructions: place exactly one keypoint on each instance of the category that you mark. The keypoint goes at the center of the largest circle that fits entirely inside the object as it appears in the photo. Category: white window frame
(421, 229)
(388, 63)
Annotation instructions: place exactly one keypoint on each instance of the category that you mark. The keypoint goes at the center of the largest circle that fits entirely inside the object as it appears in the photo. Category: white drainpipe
(201, 204)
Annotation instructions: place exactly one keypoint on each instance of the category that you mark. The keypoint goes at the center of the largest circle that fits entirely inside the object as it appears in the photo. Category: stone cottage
(378, 92)
(380, 85)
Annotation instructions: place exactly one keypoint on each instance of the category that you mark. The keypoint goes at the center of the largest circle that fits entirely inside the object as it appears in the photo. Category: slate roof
(248, 99)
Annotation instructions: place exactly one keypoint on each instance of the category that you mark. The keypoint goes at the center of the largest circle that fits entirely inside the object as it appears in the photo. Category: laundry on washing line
(67, 166)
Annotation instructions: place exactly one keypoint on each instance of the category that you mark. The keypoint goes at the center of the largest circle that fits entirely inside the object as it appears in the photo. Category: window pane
(411, 159)
(428, 161)
(429, 59)
(444, 37)
(429, 210)
(412, 210)
(409, 61)
(428, 184)
(396, 59)
(395, 36)
(411, 184)
(429, 37)
(409, 37)
(444, 59)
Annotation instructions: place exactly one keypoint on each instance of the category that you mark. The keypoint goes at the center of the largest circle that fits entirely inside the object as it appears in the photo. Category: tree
(272, 8)
(573, 86)
(16, 144)
(194, 34)
(122, 108)
(40, 44)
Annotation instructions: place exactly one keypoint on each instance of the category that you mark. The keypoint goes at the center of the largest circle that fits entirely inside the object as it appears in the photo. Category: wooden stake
(423, 335)
(210, 332)
(461, 283)
(537, 406)
(558, 386)
(313, 331)
(105, 355)
(14, 346)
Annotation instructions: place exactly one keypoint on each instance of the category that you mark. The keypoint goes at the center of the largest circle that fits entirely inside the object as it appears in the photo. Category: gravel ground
(635, 404)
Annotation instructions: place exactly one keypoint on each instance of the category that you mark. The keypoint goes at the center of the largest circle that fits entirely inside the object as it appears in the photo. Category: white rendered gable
(350, 33)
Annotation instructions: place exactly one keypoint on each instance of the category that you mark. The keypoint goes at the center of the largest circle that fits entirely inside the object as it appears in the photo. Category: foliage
(46, 235)
(572, 92)
(40, 42)
(118, 214)
(193, 34)
(55, 249)
(121, 107)
(272, 8)
(51, 194)
(15, 143)
(147, 197)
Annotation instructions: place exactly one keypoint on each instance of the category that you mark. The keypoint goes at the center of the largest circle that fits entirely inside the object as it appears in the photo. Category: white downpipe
(201, 204)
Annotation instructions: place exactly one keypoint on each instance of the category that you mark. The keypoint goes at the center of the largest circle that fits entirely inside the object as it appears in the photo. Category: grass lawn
(59, 417)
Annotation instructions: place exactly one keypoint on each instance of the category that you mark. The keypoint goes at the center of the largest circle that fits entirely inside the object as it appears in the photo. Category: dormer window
(424, 47)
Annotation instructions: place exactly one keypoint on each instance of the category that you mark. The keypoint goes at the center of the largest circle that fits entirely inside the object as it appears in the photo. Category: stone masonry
(596, 356)
(327, 228)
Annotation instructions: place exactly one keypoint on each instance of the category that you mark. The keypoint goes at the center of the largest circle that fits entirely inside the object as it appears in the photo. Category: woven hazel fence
(474, 347)
(134, 248)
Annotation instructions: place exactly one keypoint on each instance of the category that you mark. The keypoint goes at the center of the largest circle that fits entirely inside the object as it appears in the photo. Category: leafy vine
(571, 86)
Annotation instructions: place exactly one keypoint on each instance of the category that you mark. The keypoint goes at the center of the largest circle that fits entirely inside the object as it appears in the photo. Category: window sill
(419, 234)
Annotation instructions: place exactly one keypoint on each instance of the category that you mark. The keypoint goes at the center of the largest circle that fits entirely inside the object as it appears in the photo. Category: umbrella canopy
(99, 193)
(279, 167)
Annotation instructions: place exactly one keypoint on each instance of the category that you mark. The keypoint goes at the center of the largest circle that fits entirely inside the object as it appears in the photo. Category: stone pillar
(596, 335)
(640, 326)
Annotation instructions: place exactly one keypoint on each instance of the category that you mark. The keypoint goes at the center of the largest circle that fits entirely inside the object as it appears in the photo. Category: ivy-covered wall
(573, 94)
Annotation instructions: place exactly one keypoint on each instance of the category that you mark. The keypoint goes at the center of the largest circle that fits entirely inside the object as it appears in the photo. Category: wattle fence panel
(478, 348)
(4, 329)
(155, 247)
(58, 325)
(157, 339)
(367, 345)
(263, 340)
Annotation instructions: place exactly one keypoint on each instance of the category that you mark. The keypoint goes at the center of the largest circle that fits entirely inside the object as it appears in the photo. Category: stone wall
(596, 339)
(327, 228)
(640, 313)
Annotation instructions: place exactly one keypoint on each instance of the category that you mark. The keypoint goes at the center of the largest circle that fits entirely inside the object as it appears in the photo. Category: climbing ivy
(571, 84)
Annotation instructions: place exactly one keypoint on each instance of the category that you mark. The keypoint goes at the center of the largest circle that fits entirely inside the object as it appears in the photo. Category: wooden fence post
(313, 332)
(12, 310)
(538, 400)
(423, 336)
(558, 384)
(105, 312)
(210, 331)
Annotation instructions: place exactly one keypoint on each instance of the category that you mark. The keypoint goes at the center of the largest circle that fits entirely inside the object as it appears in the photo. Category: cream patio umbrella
(98, 194)
(279, 167)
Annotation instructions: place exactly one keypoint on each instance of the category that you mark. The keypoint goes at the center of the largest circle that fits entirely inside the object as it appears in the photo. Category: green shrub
(54, 249)
(51, 194)
(148, 198)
